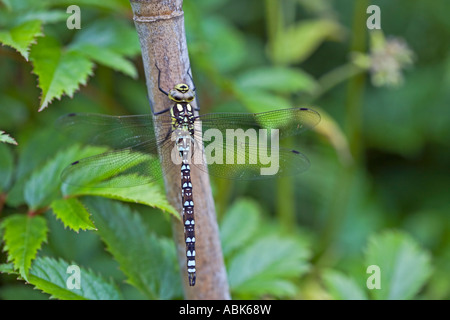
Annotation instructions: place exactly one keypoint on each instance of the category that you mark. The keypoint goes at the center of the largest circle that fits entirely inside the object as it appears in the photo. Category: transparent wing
(133, 159)
(289, 122)
(246, 146)
(116, 132)
(114, 169)
(251, 153)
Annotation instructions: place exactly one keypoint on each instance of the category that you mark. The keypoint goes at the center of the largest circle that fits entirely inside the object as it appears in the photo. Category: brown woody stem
(160, 26)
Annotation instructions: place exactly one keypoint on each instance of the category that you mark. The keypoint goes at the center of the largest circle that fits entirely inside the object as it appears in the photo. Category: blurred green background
(377, 190)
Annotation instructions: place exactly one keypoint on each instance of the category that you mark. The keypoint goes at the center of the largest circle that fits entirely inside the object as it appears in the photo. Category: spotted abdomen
(188, 220)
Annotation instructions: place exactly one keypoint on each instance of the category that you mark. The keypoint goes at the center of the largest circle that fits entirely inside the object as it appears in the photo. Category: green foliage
(375, 195)
(72, 213)
(58, 71)
(148, 262)
(6, 167)
(22, 36)
(61, 69)
(342, 287)
(23, 237)
(260, 263)
(6, 138)
(49, 275)
(405, 266)
(42, 187)
(299, 41)
(402, 269)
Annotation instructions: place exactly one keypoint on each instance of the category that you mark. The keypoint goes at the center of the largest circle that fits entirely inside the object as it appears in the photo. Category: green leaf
(298, 42)
(72, 213)
(148, 194)
(220, 37)
(6, 138)
(118, 36)
(278, 79)
(43, 185)
(7, 268)
(22, 36)
(108, 58)
(262, 101)
(45, 16)
(108, 42)
(149, 262)
(404, 266)
(53, 276)
(6, 167)
(266, 266)
(23, 236)
(59, 71)
(239, 225)
(342, 287)
(130, 187)
(31, 158)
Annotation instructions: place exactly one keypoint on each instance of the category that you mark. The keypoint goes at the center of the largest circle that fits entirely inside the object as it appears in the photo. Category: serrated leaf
(148, 194)
(29, 161)
(283, 80)
(149, 262)
(342, 287)
(239, 225)
(266, 266)
(52, 277)
(404, 266)
(43, 185)
(72, 213)
(22, 36)
(108, 58)
(23, 236)
(59, 71)
(298, 42)
(6, 138)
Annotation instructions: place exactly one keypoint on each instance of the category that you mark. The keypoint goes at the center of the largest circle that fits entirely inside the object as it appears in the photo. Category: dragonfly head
(181, 93)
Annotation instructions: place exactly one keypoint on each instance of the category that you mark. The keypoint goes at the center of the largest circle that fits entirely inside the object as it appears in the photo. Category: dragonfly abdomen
(188, 220)
(183, 126)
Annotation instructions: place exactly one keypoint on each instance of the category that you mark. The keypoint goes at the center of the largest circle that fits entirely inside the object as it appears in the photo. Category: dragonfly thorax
(181, 93)
(183, 117)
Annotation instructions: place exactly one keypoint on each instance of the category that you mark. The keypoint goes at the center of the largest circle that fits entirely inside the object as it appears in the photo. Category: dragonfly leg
(190, 76)
(159, 81)
(197, 108)
(153, 111)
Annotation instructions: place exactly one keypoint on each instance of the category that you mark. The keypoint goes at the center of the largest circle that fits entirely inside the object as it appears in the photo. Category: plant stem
(285, 206)
(160, 26)
(353, 125)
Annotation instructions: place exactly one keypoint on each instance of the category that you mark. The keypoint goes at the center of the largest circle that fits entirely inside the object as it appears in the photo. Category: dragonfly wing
(289, 122)
(251, 162)
(116, 132)
(127, 167)
(236, 147)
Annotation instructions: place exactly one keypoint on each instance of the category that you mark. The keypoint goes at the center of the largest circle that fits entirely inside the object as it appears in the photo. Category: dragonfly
(240, 146)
